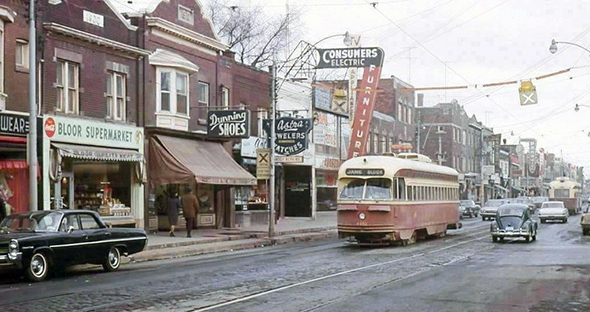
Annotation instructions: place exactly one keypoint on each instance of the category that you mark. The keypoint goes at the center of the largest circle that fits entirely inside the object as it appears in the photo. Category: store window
(1, 56)
(104, 187)
(67, 85)
(204, 93)
(116, 96)
(22, 53)
(224, 97)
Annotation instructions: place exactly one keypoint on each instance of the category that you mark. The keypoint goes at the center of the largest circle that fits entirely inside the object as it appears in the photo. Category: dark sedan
(514, 220)
(469, 208)
(38, 242)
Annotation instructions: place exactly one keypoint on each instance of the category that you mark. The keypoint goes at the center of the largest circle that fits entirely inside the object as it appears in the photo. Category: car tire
(494, 239)
(542, 221)
(565, 220)
(483, 218)
(477, 214)
(38, 267)
(528, 238)
(113, 260)
(585, 232)
(535, 237)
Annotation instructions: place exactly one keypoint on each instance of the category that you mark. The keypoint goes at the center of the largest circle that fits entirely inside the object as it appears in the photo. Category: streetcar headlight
(362, 216)
(13, 249)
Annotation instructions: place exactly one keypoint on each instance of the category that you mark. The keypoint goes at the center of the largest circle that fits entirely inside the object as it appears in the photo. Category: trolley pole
(32, 142)
(273, 92)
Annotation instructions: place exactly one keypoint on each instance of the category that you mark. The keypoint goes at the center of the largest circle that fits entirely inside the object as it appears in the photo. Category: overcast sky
(480, 41)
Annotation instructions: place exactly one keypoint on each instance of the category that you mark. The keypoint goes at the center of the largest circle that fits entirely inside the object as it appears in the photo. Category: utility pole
(440, 150)
(410, 63)
(32, 142)
(271, 195)
(418, 133)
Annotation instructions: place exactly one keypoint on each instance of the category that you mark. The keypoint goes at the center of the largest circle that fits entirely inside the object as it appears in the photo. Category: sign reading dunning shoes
(349, 57)
(228, 124)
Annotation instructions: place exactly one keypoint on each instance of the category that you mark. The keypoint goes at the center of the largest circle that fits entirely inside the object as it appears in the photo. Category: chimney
(420, 99)
(230, 54)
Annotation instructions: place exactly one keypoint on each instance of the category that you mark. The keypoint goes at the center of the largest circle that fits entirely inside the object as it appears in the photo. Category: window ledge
(163, 113)
(22, 69)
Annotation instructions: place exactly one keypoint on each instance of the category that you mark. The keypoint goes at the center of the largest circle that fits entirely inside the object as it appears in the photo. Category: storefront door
(297, 191)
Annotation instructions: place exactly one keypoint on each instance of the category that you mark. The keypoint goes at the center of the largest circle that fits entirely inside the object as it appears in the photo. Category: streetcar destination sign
(365, 172)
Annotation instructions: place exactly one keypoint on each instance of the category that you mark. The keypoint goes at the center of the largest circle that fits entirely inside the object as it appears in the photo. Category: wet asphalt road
(464, 271)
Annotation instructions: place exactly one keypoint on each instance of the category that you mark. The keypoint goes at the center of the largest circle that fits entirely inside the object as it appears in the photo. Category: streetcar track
(317, 279)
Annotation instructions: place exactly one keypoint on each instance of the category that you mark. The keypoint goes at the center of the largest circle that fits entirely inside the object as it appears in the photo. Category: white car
(553, 210)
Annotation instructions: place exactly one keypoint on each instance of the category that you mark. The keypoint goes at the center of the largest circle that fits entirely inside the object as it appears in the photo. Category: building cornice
(186, 34)
(98, 40)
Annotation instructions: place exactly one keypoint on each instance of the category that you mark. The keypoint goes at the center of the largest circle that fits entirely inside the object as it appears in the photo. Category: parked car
(585, 222)
(539, 200)
(491, 207)
(513, 220)
(469, 208)
(553, 210)
(39, 242)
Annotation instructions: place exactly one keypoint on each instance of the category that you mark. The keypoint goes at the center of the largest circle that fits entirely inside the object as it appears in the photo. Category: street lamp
(577, 107)
(553, 46)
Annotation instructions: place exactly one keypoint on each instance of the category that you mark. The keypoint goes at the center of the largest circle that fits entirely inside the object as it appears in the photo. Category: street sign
(289, 159)
(528, 93)
(263, 163)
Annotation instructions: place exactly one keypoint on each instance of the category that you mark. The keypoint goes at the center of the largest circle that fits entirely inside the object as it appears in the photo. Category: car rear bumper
(552, 217)
(518, 233)
(488, 214)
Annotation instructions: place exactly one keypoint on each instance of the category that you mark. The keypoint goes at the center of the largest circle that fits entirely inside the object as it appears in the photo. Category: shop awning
(177, 160)
(8, 164)
(97, 153)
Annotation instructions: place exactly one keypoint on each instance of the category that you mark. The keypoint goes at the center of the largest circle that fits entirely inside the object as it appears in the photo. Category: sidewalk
(162, 246)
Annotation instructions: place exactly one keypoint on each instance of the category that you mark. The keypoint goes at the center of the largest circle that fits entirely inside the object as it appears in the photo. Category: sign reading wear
(291, 134)
(349, 57)
(263, 163)
(90, 132)
(228, 124)
(365, 172)
(14, 124)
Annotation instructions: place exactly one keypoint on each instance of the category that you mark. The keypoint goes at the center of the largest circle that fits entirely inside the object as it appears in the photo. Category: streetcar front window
(353, 190)
(562, 193)
(378, 189)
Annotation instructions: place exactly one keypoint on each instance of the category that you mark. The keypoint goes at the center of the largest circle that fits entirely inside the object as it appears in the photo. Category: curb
(226, 245)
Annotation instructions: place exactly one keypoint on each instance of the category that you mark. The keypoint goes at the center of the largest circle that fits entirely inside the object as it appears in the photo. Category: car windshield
(467, 203)
(552, 205)
(371, 189)
(510, 212)
(32, 222)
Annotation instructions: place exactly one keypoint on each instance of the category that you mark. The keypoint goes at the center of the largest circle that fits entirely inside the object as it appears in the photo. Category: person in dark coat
(173, 207)
(190, 209)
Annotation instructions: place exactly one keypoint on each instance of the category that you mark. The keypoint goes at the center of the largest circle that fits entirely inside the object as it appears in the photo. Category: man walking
(190, 205)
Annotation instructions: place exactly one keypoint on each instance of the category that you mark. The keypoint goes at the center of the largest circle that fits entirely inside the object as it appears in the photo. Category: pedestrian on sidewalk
(190, 209)
(173, 206)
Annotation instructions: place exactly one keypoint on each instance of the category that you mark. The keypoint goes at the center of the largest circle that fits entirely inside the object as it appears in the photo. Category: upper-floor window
(204, 93)
(22, 53)
(173, 93)
(116, 96)
(1, 56)
(224, 97)
(262, 115)
(68, 87)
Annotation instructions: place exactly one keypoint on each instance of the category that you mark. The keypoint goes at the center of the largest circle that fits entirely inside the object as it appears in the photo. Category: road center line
(264, 293)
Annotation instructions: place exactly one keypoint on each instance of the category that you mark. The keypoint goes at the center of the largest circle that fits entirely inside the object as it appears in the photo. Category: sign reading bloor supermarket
(228, 124)
(91, 132)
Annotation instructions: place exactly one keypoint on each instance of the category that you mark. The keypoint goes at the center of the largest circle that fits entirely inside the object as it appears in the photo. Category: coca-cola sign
(291, 135)
(228, 124)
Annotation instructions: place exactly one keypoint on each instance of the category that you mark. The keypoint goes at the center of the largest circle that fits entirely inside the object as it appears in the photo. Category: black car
(38, 242)
(514, 220)
(469, 208)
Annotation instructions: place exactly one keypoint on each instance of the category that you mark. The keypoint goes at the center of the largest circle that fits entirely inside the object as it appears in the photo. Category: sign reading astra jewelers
(228, 124)
(349, 57)
(90, 132)
(291, 134)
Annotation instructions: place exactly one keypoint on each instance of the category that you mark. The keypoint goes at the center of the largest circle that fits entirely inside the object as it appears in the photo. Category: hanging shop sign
(228, 124)
(263, 164)
(528, 93)
(322, 98)
(251, 144)
(291, 134)
(14, 124)
(349, 57)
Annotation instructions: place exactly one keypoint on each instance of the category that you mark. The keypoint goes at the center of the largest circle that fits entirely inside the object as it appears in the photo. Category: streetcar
(387, 199)
(569, 192)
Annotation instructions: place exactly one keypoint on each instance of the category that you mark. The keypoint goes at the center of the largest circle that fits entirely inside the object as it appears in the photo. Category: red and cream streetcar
(383, 199)
(569, 192)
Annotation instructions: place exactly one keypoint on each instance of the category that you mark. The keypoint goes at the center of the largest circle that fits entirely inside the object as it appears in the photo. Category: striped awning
(97, 153)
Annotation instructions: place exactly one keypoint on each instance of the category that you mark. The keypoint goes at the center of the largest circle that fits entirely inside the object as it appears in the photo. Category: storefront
(184, 161)
(94, 165)
(326, 177)
(14, 177)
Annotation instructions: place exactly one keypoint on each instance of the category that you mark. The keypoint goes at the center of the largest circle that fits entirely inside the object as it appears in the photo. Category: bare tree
(251, 33)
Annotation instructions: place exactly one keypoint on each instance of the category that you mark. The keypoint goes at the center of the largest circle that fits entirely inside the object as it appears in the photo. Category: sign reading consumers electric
(349, 57)
(82, 131)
